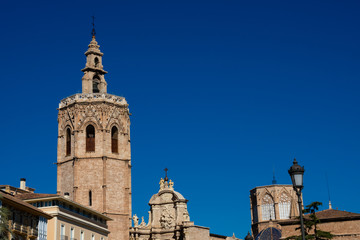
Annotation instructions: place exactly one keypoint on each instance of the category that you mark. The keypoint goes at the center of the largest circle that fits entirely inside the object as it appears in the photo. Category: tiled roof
(11, 199)
(30, 197)
(332, 213)
(26, 196)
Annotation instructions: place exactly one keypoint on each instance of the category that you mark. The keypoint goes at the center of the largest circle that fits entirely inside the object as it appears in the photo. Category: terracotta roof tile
(332, 213)
(10, 198)
(26, 196)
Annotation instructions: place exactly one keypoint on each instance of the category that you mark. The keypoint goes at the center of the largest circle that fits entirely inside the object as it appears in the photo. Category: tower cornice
(97, 70)
(93, 98)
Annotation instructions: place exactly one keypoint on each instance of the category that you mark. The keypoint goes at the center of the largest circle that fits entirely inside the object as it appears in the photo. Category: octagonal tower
(94, 159)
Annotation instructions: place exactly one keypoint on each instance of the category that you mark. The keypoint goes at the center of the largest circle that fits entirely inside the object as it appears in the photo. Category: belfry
(94, 158)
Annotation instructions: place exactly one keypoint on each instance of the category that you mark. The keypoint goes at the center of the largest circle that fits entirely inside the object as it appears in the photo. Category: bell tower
(93, 80)
(93, 158)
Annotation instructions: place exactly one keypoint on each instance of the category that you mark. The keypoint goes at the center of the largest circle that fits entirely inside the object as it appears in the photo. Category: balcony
(33, 232)
(24, 229)
(16, 226)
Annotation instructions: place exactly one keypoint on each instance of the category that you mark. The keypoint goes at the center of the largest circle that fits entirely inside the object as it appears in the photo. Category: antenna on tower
(327, 183)
(274, 179)
(93, 32)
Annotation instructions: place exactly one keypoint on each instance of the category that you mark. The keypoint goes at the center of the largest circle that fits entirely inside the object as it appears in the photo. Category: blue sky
(221, 92)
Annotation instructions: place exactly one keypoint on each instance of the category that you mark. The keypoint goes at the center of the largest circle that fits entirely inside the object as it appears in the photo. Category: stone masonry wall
(107, 175)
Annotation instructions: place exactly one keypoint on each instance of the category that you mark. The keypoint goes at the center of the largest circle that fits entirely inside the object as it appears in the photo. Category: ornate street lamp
(297, 173)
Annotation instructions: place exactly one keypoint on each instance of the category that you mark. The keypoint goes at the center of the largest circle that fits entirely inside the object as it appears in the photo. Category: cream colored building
(94, 159)
(71, 220)
(25, 221)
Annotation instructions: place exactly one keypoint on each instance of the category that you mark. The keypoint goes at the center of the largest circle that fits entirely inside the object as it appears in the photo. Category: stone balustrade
(92, 97)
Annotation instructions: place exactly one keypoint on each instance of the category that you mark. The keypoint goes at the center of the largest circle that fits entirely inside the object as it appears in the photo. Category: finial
(295, 162)
(328, 188)
(274, 180)
(166, 178)
(93, 32)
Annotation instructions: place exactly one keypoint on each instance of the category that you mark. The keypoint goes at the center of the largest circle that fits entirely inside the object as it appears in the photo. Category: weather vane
(93, 33)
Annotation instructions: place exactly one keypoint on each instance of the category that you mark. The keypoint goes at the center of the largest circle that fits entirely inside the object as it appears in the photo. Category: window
(114, 139)
(90, 198)
(72, 233)
(96, 81)
(267, 208)
(284, 206)
(62, 232)
(96, 61)
(82, 235)
(90, 138)
(92, 237)
(42, 228)
(68, 142)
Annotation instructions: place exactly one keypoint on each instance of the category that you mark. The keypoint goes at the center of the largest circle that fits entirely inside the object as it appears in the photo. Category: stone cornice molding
(92, 98)
(85, 158)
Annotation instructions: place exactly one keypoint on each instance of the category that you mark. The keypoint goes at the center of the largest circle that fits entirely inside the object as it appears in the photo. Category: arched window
(114, 139)
(96, 81)
(284, 206)
(90, 198)
(68, 142)
(96, 61)
(267, 208)
(90, 138)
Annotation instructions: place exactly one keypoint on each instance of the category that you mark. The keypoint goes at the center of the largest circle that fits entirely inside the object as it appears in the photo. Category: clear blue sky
(221, 93)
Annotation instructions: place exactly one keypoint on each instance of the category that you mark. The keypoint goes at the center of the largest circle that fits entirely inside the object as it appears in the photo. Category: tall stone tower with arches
(93, 158)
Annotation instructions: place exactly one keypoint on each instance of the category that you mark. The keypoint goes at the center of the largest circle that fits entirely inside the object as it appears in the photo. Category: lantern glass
(298, 179)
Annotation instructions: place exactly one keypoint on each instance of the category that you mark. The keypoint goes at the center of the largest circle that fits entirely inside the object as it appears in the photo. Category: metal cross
(166, 178)
(93, 33)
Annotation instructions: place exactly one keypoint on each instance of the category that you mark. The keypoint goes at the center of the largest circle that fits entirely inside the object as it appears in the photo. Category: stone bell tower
(93, 159)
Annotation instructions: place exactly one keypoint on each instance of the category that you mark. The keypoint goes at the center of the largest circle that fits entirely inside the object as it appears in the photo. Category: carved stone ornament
(166, 197)
(136, 220)
(167, 219)
(161, 183)
(186, 215)
(142, 224)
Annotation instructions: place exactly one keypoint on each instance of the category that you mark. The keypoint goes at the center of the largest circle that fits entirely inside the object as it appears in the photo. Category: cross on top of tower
(93, 32)
(166, 178)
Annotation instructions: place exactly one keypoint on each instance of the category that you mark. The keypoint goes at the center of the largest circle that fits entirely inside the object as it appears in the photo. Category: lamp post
(297, 173)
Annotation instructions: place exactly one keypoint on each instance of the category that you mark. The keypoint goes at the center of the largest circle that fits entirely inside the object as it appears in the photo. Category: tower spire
(327, 183)
(93, 80)
(274, 179)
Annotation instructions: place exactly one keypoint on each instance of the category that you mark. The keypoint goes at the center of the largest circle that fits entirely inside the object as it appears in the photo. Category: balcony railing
(33, 232)
(24, 229)
(16, 226)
